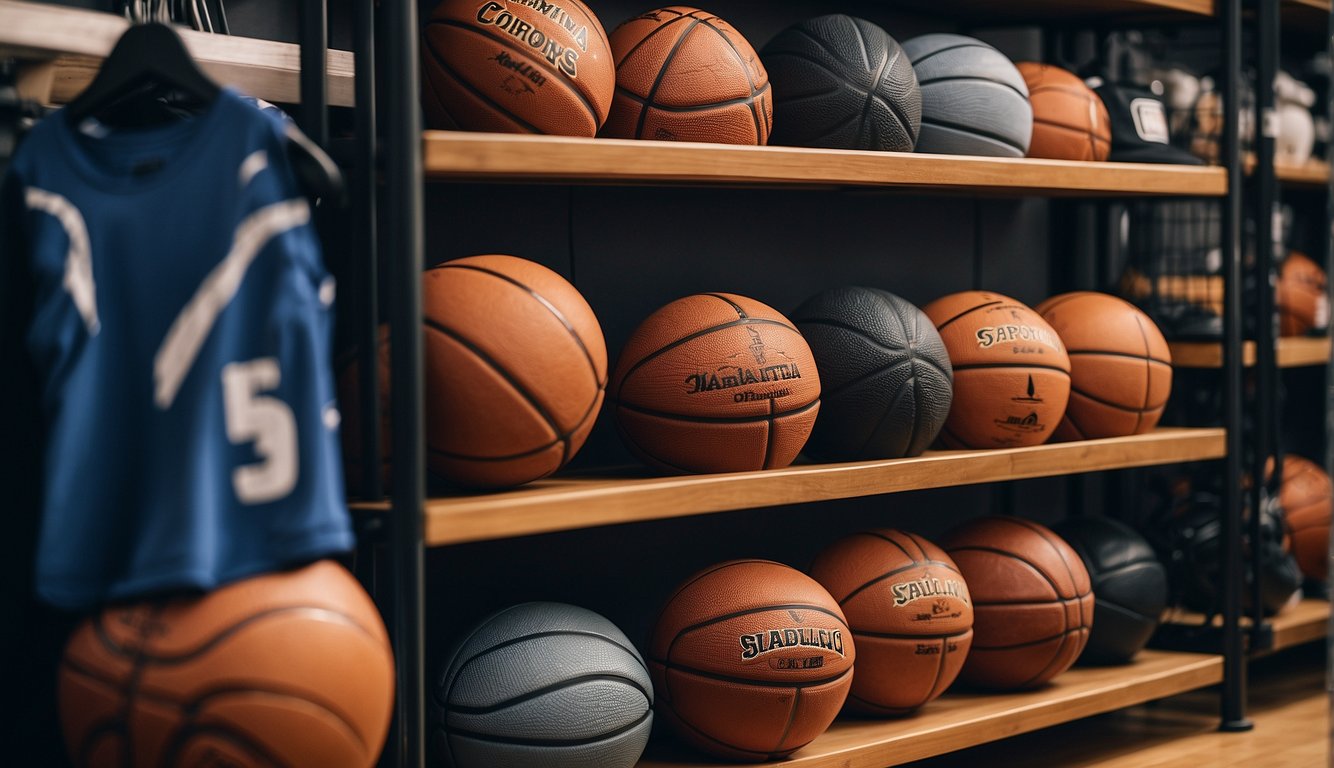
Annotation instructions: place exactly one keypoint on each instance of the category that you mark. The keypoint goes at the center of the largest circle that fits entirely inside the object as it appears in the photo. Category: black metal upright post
(314, 55)
(403, 209)
(1327, 233)
(1233, 703)
(368, 313)
(1264, 189)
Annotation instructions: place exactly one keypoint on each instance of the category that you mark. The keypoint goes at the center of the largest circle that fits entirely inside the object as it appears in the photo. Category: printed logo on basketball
(906, 592)
(991, 335)
(1027, 423)
(1031, 397)
(733, 373)
(521, 69)
(566, 59)
(758, 644)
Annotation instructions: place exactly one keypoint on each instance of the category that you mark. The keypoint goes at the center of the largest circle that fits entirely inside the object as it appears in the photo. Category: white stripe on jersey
(193, 325)
(78, 258)
(252, 165)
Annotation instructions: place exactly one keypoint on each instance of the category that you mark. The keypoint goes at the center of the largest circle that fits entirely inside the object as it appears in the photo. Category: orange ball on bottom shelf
(1120, 365)
(1011, 372)
(1306, 496)
(1070, 122)
(515, 367)
(909, 611)
(715, 382)
(290, 668)
(1032, 601)
(683, 74)
(751, 660)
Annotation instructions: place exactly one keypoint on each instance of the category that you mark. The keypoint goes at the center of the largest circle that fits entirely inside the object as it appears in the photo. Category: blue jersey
(180, 330)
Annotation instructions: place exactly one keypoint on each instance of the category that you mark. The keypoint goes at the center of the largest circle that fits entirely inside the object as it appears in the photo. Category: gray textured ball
(974, 101)
(543, 684)
(842, 83)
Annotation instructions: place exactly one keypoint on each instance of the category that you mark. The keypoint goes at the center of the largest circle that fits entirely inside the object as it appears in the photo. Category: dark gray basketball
(543, 684)
(974, 101)
(1129, 586)
(843, 83)
(885, 376)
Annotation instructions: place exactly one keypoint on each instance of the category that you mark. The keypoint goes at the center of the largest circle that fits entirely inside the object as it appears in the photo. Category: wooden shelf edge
(1306, 622)
(76, 40)
(960, 720)
(1293, 352)
(567, 503)
(1315, 173)
(566, 159)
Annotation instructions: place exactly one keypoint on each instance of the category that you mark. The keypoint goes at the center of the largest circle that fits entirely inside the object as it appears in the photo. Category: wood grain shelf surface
(958, 720)
(75, 41)
(1049, 9)
(1306, 622)
(1293, 352)
(567, 503)
(565, 159)
(1313, 174)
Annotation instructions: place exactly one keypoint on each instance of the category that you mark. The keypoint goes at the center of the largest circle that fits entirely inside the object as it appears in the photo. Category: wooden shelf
(1314, 174)
(72, 42)
(960, 720)
(1306, 622)
(566, 503)
(1293, 352)
(1047, 9)
(564, 160)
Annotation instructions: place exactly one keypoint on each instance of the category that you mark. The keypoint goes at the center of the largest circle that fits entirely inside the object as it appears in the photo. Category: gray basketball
(543, 684)
(974, 101)
(842, 83)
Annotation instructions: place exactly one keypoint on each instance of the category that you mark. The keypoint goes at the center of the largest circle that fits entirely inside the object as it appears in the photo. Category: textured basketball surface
(974, 101)
(1032, 601)
(1302, 303)
(1306, 496)
(1129, 584)
(515, 370)
(1120, 365)
(909, 611)
(716, 382)
(1011, 372)
(1070, 122)
(285, 669)
(518, 67)
(843, 83)
(545, 685)
(751, 660)
(683, 74)
(885, 375)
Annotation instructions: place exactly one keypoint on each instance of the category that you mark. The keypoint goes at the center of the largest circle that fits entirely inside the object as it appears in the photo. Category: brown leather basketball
(515, 370)
(290, 668)
(715, 382)
(516, 67)
(1300, 294)
(909, 611)
(1306, 496)
(1011, 372)
(1032, 601)
(683, 74)
(1120, 365)
(1070, 122)
(751, 660)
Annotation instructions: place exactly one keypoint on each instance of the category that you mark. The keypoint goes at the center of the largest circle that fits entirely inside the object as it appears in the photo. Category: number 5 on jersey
(268, 422)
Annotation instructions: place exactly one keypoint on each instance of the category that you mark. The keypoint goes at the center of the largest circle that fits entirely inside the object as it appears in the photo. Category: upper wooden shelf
(566, 503)
(1306, 622)
(959, 720)
(1314, 174)
(1063, 9)
(564, 159)
(1293, 352)
(74, 42)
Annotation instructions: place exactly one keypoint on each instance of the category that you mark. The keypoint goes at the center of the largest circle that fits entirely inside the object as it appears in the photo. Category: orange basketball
(1306, 496)
(1032, 601)
(751, 660)
(515, 370)
(910, 614)
(1300, 294)
(716, 382)
(683, 74)
(1070, 122)
(1011, 372)
(289, 668)
(516, 67)
(1120, 365)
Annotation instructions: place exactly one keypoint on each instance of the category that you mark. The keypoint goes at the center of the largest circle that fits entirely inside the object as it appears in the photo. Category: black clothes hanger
(151, 58)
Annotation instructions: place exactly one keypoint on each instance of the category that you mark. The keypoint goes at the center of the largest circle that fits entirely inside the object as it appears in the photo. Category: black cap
(1139, 127)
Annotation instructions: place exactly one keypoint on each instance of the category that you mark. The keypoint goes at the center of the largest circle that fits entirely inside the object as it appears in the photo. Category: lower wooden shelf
(566, 503)
(1293, 352)
(1306, 622)
(1313, 174)
(960, 720)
